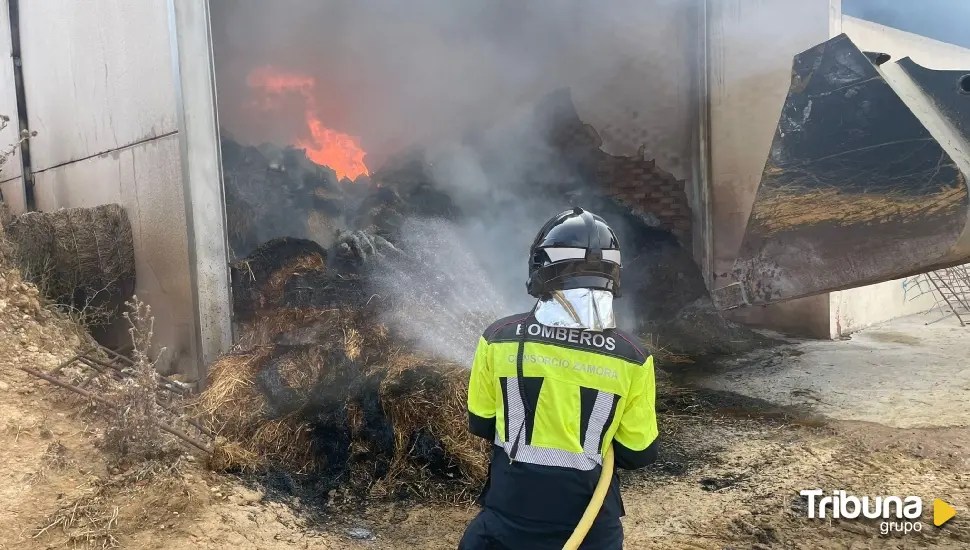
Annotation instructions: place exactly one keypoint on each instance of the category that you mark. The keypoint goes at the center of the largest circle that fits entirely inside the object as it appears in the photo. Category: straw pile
(83, 258)
(258, 281)
(384, 428)
(319, 387)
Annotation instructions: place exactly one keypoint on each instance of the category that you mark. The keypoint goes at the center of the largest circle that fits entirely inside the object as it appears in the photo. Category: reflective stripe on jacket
(552, 419)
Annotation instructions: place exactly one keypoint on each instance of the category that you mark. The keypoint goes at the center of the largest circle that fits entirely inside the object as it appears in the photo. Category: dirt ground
(729, 477)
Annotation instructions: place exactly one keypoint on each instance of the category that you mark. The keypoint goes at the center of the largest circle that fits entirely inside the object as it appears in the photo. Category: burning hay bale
(83, 258)
(271, 191)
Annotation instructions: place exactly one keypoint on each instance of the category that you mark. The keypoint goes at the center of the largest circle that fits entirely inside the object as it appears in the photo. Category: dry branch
(164, 383)
(57, 370)
(84, 393)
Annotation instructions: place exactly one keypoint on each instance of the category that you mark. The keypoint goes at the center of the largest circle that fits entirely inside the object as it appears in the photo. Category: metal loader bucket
(866, 180)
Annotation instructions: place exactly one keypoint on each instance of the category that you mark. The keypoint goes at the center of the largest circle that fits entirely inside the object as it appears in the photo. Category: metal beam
(701, 215)
(27, 176)
(198, 122)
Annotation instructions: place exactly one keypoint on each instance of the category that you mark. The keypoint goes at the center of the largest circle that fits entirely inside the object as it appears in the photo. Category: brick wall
(640, 184)
(634, 181)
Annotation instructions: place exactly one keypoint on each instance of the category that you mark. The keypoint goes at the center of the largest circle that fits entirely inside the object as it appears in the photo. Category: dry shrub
(88, 521)
(81, 258)
(133, 434)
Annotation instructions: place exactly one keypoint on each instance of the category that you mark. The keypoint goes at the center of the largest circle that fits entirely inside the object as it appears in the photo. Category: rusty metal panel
(865, 181)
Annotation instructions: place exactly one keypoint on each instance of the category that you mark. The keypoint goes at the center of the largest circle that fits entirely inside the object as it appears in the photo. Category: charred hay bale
(355, 331)
(328, 201)
(381, 213)
(428, 202)
(240, 225)
(265, 198)
(78, 257)
(255, 395)
(258, 281)
(391, 428)
(329, 289)
(426, 403)
(239, 413)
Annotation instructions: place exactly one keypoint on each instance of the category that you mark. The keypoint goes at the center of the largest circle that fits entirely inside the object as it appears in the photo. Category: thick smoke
(422, 73)
(395, 73)
(460, 276)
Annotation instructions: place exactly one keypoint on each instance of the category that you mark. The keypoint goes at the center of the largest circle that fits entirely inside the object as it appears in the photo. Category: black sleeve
(482, 427)
(625, 459)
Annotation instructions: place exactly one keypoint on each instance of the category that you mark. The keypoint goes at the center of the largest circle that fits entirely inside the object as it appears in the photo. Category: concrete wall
(751, 44)
(859, 308)
(101, 95)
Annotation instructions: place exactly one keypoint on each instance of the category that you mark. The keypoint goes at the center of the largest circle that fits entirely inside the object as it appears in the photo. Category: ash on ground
(359, 304)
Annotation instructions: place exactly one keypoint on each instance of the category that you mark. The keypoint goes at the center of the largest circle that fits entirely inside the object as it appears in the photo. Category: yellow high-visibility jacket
(552, 400)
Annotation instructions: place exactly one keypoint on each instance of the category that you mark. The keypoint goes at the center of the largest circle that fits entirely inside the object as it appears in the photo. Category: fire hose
(595, 503)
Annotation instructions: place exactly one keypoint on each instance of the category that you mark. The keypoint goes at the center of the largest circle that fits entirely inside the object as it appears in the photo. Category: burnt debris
(320, 384)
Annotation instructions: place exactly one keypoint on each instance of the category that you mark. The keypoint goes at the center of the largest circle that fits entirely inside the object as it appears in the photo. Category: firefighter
(552, 389)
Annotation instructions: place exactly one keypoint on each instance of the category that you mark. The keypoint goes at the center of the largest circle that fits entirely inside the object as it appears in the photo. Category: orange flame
(340, 152)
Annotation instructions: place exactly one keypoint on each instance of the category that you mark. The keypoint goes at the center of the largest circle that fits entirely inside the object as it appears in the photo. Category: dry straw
(83, 258)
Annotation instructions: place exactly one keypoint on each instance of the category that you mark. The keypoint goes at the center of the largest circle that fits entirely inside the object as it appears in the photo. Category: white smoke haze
(394, 73)
(460, 276)
(399, 74)
(442, 300)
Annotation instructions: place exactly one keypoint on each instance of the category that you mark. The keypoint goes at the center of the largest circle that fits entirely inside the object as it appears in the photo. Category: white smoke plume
(396, 74)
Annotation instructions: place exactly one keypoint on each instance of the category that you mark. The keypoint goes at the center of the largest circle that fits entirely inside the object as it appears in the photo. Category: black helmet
(575, 249)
